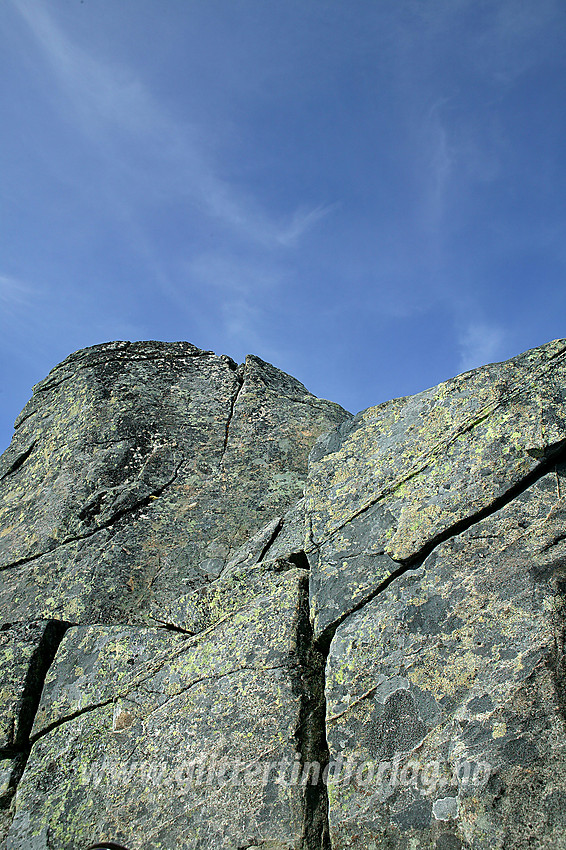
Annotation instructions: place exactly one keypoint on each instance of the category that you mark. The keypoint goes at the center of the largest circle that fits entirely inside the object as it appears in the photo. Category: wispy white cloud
(102, 95)
(15, 296)
(303, 220)
(440, 160)
(480, 343)
(243, 288)
(458, 141)
(116, 111)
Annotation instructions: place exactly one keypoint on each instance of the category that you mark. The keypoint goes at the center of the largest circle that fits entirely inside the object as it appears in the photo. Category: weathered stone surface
(444, 694)
(388, 486)
(153, 495)
(26, 651)
(127, 714)
(282, 536)
(18, 645)
(137, 469)
(135, 474)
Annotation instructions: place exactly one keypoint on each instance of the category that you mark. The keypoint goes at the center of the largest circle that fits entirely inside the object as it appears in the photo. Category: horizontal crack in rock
(142, 503)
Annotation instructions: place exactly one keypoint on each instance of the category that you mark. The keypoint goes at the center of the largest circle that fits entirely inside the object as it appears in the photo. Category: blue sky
(370, 195)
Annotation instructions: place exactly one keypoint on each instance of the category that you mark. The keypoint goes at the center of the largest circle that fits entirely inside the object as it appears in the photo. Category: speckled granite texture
(212, 640)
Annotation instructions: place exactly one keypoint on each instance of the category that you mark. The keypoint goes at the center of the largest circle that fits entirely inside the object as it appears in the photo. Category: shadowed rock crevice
(312, 745)
(18, 461)
(323, 641)
(555, 455)
(39, 663)
(271, 540)
(171, 627)
(240, 376)
(299, 559)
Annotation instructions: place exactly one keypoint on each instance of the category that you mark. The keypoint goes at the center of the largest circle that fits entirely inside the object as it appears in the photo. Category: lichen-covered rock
(162, 740)
(376, 663)
(437, 589)
(18, 646)
(135, 474)
(137, 469)
(389, 485)
(26, 651)
(444, 693)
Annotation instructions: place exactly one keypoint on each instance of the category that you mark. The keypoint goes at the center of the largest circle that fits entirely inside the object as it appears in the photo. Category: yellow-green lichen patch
(450, 669)
(409, 472)
(126, 712)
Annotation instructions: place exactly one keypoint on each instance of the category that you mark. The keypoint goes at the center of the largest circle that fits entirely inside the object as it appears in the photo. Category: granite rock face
(208, 642)
(135, 472)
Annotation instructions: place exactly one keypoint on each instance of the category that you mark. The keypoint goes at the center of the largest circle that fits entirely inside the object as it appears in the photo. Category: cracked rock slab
(445, 694)
(283, 536)
(159, 740)
(26, 650)
(18, 644)
(387, 486)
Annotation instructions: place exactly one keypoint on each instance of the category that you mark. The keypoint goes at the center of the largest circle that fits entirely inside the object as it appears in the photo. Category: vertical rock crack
(240, 379)
(40, 662)
(312, 746)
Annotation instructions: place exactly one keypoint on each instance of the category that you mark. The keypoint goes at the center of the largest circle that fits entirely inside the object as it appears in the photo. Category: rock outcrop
(211, 639)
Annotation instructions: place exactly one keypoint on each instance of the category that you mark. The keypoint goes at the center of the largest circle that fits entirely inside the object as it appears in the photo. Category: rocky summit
(235, 616)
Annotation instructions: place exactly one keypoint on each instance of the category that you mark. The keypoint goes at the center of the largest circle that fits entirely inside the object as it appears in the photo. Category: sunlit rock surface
(209, 642)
